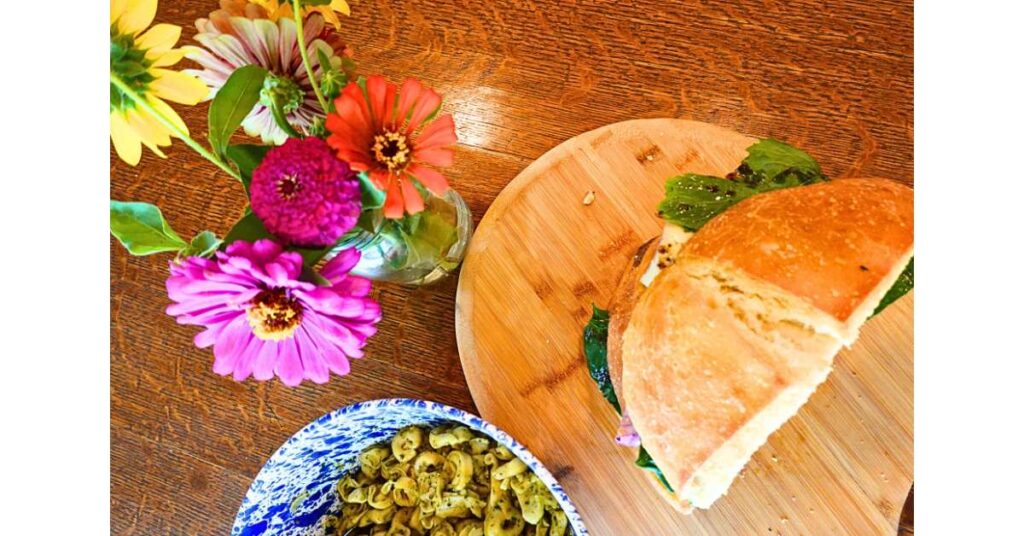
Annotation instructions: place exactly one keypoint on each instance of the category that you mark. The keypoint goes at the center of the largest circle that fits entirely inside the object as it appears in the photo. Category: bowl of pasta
(405, 467)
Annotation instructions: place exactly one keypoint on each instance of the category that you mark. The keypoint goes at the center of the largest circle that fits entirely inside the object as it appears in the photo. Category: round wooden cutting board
(541, 257)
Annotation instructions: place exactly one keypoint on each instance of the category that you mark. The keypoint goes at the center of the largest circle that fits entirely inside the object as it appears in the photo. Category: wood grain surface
(541, 257)
(520, 77)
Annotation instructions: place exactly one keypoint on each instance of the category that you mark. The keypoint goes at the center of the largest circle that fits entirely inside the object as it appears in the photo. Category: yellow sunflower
(138, 62)
(277, 9)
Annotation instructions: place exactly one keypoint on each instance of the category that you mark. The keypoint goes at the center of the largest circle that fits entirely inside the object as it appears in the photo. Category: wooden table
(520, 76)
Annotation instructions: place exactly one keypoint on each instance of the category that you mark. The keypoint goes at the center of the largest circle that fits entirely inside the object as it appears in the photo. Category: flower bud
(281, 93)
(331, 83)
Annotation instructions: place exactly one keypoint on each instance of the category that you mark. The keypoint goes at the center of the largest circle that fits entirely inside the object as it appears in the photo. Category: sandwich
(721, 328)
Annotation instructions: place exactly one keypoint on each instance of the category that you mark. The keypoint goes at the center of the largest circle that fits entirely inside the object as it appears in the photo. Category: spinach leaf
(644, 461)
(595, 348)
(904, 284)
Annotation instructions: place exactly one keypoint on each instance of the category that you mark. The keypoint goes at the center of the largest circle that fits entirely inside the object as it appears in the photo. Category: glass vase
(416, 250)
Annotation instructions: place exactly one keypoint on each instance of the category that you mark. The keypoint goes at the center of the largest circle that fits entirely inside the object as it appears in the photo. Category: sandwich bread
(735, 334)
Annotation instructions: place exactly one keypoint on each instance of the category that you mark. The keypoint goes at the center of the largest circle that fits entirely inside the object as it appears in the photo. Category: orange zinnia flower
(386, 132)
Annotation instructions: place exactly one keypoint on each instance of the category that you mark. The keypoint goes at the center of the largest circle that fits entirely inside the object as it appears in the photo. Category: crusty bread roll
(621, 308)
(732, 339)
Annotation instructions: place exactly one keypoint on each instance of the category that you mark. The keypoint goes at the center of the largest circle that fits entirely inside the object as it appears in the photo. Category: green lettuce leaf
(904, 284)
(691, 200)
(644, 461)
(773, 161)
(595, 348)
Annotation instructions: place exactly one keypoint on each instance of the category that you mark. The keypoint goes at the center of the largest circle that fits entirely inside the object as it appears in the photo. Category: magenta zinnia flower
(304, 195)
(262, 320)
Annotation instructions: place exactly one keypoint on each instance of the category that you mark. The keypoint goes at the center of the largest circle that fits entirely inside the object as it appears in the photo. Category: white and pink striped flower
(231, 42)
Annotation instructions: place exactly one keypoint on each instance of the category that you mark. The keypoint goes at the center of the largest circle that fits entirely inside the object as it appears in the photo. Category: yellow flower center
(274, 315)
(391, 150)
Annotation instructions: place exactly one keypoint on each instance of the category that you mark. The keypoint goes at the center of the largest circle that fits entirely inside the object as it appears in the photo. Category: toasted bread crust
(621, 308)
(829, 244)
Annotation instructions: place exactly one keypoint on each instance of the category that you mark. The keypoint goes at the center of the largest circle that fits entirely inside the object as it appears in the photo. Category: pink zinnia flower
(304, 195)
(262, 320)
(386, 131)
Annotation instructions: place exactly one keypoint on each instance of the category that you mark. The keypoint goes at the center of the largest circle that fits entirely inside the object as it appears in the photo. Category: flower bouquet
(343, 184)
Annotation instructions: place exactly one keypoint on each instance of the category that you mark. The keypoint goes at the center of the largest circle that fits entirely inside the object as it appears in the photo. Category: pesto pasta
(446, 481)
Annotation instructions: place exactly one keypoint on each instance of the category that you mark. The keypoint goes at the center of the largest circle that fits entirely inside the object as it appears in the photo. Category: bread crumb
(588, 199)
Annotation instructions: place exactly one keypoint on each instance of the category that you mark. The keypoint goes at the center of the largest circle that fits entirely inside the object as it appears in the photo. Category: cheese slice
(672, 239)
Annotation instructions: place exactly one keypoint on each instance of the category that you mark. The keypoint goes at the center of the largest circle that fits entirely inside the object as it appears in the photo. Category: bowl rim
(444, 411)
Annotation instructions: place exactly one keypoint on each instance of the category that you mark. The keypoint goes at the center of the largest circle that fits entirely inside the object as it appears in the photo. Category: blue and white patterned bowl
(296, 487)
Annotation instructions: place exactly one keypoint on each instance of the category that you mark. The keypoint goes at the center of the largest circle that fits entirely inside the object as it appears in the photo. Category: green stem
(297, 9)
(141, 102)
(282, 121)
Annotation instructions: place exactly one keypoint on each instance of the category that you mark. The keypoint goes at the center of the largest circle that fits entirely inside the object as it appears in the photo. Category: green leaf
(315, 2)
(332, 80)
(324, 60)
(247, 157)
(130, 68)
(248, 228)
(691, 200)
(142, 229)
(595, 349)
(233, 103)
(311, 256)
(770, 160)
(275, 94)
(904, 284)
(410, 223)
(202, 245)
(644, 461)
(312, 276)
(430, 237)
